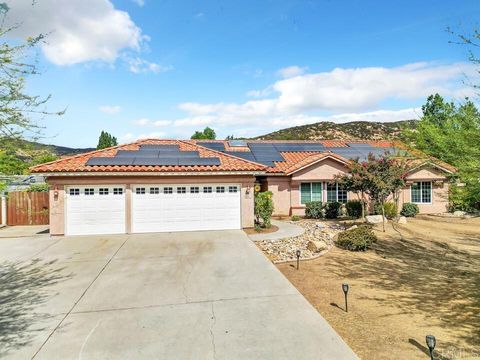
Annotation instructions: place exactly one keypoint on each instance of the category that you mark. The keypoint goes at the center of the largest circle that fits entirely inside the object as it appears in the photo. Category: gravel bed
(282, 250)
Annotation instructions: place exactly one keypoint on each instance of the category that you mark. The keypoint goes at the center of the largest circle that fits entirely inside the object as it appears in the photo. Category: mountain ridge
(354, 130)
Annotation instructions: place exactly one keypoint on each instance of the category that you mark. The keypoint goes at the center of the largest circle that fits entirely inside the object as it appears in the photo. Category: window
(154, 190)
(220, 189)
(74, 192)
(103, 191)
(421, 192)
(232, 189)
(140, 191)
(168, 190)
(181, 190)
(207, 189)
(336, 193)
(117, 191)
(194, 189)
(310, 192)
(89, 191)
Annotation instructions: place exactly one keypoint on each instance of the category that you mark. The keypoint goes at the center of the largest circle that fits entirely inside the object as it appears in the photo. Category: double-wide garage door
(154, 208)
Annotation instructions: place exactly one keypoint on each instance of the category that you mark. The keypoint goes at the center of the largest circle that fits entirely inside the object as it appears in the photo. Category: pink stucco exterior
(286, 189)
(57, 192)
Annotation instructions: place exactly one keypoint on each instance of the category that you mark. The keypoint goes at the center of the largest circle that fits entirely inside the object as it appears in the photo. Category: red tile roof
(293, 160)
(77, 163)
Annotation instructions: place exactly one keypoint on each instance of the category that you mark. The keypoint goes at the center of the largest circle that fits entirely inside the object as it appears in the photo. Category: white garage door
(161, 208)
(95, 210)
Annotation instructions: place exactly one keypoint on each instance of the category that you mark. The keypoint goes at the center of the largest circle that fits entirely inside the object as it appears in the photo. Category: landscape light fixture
(345, 288)
(431, 342)
(298, 258)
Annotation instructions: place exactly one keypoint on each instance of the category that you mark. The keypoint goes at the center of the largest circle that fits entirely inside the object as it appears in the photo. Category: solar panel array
(154, 155)
(269, 153)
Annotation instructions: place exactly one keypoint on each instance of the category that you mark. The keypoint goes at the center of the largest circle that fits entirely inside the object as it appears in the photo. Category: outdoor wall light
(431, 342)
(55, 192)
(298, 258)
(345, 288)
(247, 190)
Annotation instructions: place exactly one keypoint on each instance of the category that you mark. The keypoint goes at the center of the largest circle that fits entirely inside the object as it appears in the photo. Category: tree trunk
(363, 206)
(383, 215)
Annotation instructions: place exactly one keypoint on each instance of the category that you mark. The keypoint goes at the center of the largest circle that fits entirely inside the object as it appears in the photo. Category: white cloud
(110, 109)
(152, 135)
(291, 71)
(138, 65)
(139, 2)
(148, 122)
(79, 31)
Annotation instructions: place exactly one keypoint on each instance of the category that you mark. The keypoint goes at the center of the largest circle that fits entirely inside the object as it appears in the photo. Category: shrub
(354, 208)
(332, 209)
(295, 217)
(409, 210)
(359, 239)
(391, 209)
(38, 188)
(313, 210)
(264, 208)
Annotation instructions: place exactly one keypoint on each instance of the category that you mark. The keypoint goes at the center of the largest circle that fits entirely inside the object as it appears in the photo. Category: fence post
(3, 201)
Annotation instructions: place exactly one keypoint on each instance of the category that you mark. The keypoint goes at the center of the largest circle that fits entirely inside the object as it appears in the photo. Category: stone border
(321, 253)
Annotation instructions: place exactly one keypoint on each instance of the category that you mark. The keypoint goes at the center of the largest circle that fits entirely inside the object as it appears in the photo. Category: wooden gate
(27, 208)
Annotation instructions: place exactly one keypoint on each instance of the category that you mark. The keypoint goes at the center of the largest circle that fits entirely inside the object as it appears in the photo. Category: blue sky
(167, 68)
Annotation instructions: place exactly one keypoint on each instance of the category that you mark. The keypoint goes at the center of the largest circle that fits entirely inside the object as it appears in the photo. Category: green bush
(332, 209)
(359, 239)
(313, 209)
(38, 188)
(295, 218)
(391, 209)
(263, 208)
(354, 208)
(409, 210)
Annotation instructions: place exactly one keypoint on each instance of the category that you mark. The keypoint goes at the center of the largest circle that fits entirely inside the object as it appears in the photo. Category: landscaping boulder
(319, 225)
(459, 213)
(352, 227)
(317, 246)
(374, 219)
(402, 220)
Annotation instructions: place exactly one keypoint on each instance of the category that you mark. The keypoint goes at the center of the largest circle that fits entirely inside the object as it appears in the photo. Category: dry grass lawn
(423, 279)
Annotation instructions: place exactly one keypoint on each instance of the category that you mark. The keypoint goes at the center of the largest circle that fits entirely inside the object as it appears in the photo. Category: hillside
(57, 150)
(359, 130)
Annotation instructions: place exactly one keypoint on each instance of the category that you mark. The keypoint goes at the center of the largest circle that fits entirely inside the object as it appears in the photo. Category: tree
(16, 106)
(106, 140)
(206, 134)
(263, 209)
(451, 133)
(378, 178)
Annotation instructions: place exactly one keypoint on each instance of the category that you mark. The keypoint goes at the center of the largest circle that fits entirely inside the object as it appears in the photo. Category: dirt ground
(422, 279)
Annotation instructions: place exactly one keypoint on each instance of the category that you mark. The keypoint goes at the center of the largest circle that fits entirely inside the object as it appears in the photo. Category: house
(180, 185)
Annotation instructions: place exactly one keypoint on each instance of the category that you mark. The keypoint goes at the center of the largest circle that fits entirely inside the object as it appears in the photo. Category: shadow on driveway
(24, 287)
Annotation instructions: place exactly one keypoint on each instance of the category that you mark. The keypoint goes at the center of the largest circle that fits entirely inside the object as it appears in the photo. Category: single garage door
(95, 210)
(161, 208)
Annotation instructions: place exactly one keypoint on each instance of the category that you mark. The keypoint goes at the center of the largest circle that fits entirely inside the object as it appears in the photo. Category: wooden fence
(27, 208)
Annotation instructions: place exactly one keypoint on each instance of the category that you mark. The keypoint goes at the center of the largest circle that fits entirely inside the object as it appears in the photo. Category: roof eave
(148, 173)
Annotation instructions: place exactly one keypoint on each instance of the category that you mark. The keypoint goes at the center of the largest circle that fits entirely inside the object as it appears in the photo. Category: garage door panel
(92, 212)
(189, 211)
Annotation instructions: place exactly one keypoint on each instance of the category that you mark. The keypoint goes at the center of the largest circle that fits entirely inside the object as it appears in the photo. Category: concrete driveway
(198, 295)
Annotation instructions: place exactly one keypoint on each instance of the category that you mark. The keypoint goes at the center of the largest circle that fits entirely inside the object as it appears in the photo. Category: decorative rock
(317, 246)
(343, 210)
(352, 227)
(402, 220)
(374, 219)
(459, 213)
(319, 225)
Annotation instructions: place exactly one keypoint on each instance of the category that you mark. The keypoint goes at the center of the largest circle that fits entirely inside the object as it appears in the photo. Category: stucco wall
(57, 184)
(287, 199)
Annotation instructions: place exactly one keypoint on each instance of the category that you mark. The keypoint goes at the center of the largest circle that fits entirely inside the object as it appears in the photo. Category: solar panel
(247, 155)
(235, 143)
(199, 161)
(135, 153)
(155, 161)
(167, 154)
(103, 161)
(213, 145)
